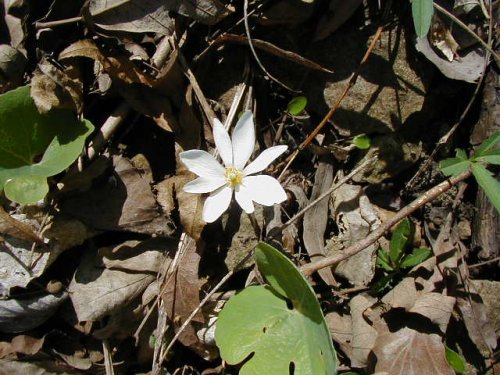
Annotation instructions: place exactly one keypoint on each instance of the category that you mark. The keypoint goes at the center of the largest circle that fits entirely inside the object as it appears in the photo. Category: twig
(486, 262)
(467, 29)
(428, 196)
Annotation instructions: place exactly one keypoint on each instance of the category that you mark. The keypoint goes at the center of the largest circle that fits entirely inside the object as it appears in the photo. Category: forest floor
(115, 271)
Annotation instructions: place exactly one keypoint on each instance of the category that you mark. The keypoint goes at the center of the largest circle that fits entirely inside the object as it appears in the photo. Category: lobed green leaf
(488, 183)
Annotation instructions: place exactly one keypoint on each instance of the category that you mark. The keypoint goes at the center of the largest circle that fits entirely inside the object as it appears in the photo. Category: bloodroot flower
(220, 181)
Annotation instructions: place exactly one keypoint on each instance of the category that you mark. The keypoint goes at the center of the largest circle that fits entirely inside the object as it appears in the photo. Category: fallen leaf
(340, 326)
(12, 63)
(410, 352)
(21, 344)
(97, 291)
(181, 294)
(363, 334)
(315, 220)
(122, 200)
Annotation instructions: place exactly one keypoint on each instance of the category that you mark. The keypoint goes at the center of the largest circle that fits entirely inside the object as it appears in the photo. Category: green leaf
(487, 144)
(422, 11)
(280, 324)
(297, 105)
(34, 145)
(361, 141)
(416, 257)
(400, 238)
(455, 360)
(492, 157)
(383, 260)
(383, 283)
(454, 166)
(488, 183)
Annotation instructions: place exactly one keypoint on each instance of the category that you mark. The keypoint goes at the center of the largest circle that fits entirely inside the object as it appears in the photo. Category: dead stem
(428, 196)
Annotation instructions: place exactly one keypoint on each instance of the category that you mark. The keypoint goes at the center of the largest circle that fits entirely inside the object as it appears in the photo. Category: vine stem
(428, 196)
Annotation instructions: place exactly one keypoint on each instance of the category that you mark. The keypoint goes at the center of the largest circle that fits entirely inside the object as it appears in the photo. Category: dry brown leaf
(21, 344)
(355, 217)
(409, 352)
(97, 291)
(181, 294)
(363, 334)
(122, 201)
(340, 327)
(53, 88)
(316, 218)
(190, 207)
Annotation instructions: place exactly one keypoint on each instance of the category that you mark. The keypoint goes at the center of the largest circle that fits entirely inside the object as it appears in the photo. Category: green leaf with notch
(488, 183)
(455, 360)
(399, 239)
(35, 146)
(416, 257)
(297, 105)
(280, 324)
(422, 11)
(491, 157)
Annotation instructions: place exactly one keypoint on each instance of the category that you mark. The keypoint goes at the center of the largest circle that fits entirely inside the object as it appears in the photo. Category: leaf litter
(116, 262)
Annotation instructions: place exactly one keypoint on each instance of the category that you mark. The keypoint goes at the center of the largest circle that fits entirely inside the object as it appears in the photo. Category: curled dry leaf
(18, 315)
(469, 68)
(53, 88)
(119, 67)
(356, 217)
(22, 344)
(363, 334)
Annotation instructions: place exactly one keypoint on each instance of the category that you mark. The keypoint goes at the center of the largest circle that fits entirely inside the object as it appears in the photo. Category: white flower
(220, 181)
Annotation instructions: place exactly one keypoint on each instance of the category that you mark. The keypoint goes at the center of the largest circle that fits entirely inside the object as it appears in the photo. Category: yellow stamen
(233, 176)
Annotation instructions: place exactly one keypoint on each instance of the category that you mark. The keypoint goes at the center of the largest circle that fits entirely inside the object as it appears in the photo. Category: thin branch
(428, 196)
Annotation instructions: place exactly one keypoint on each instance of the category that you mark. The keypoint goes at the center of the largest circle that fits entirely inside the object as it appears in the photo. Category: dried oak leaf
(409, 352)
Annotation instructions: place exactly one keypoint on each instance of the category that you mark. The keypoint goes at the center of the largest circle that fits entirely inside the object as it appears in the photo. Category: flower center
(233, 176)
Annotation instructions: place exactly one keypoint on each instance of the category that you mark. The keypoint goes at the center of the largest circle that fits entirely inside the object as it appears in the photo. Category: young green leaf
(488, 183)
(35, 146)
(416, 257)
(422, 11)
(454, 166)
(455, 360)
(383, 260)
(399, 240)
(382, 283)
(361, 141)
(297, 105)
(491, 157)
(281, 324)
(488, 144)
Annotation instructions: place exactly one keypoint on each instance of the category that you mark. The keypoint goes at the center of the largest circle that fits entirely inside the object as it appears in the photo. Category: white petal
(264, 159)
(202, 163)
(265, 190)
(244, 199)
(204, 185)
(217, 203)
(223, 143)
(243, 140)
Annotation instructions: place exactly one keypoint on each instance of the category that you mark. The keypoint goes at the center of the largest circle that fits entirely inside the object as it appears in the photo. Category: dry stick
(428, 196)
(325, 120)
(497, 259)
(467, 29)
